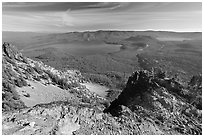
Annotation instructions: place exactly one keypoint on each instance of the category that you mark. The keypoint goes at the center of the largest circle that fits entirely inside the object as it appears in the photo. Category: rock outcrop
(165, 101)
(65, 119)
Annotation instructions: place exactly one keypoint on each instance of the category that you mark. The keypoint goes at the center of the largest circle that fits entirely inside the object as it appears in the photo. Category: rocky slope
(172, 105)
(150, 103)
(22, 75)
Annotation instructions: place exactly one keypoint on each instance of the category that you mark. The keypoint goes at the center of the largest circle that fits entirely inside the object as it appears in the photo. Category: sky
(90, 16)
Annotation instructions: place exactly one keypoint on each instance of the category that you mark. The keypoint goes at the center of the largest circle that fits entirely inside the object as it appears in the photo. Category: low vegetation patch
(10, 97)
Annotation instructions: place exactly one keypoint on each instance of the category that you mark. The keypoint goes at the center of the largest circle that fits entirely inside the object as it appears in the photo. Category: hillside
(38, 99)
(27, 82)
(98, 54)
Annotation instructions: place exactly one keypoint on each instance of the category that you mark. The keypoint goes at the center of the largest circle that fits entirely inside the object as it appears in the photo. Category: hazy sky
(66, 17)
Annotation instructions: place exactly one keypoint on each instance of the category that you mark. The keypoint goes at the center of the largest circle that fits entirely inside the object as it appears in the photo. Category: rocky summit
(172, 105)
(40, 100)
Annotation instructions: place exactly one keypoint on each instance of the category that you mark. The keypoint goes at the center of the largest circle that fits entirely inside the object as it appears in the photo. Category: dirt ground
(38, 93)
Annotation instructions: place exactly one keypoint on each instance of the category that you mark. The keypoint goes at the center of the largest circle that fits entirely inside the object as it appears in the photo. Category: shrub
(99, 78)
(38, 70)
(24, 82)
(74, 84)
(11, 105)
(115, 75)
(5, 107)
(63, 83)
(10, 97)
(37, 78)
(7, 96)
(27, 95)
(7, 72)
(45, 76)
(27, 75)
(20, 82)
(30, 70)
(24, 60)
(15, 95)
(54, 78)
(6, 86)
(10, 92)
(159, 73)
(86, 100)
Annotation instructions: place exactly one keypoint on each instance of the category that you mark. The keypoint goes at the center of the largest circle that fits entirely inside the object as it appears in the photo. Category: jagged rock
(159, 97)
(12, 52)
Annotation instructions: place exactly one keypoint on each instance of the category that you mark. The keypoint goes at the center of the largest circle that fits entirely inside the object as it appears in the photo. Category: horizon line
(148, 30)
